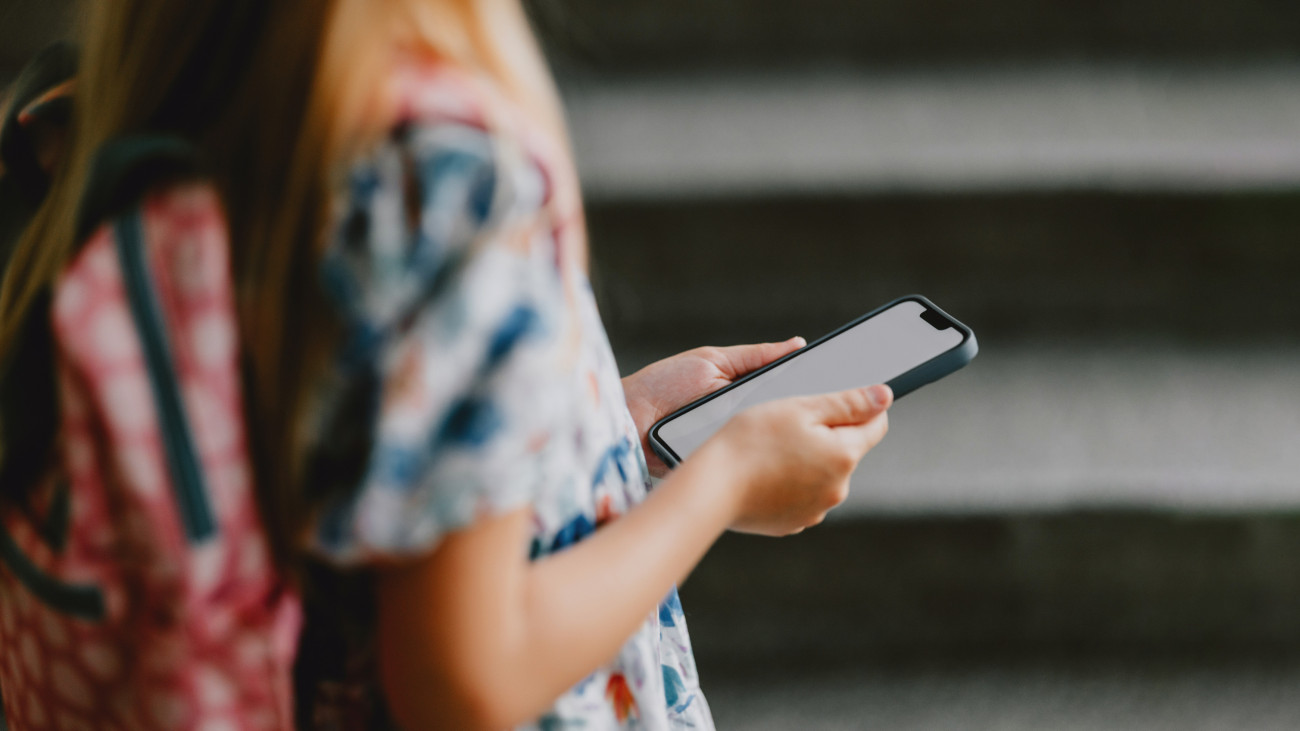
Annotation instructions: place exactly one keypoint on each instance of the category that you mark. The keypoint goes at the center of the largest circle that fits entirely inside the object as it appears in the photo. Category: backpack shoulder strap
(47, 71)
(39, 99)
(123, 171)
(28, 421)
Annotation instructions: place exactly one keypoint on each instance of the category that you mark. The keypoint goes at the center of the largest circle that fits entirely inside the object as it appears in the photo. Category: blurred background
(1093, 526)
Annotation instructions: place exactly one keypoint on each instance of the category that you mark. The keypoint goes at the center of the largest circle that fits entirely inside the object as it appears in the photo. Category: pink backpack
(137, 592)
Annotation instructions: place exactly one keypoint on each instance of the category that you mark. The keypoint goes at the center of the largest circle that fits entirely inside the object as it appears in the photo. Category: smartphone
(906, 344)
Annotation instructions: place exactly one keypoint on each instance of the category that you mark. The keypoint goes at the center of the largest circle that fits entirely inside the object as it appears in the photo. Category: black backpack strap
(28, 414)
(123, 171)
(183, 464)
(24, 182)
(29, 417)
(50, 68)
(126, 169)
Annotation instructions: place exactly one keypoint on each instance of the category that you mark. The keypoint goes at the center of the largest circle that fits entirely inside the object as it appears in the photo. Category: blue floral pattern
(474, 377)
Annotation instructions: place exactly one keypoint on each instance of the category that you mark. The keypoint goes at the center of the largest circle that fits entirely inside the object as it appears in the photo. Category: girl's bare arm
(477, 636)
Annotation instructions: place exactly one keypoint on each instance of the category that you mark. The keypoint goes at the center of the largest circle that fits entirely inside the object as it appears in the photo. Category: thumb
(737, 360)
(854, 406)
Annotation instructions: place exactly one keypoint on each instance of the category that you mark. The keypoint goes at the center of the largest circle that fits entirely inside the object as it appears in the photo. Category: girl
(443, 445)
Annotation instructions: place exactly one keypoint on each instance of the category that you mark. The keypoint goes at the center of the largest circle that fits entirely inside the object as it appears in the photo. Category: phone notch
(936, 320)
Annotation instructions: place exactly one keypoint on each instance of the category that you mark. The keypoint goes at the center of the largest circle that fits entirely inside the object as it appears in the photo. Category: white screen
(874, 351)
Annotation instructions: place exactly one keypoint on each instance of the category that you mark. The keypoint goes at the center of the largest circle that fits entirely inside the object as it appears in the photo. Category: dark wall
(1047, 268)
(26, 26)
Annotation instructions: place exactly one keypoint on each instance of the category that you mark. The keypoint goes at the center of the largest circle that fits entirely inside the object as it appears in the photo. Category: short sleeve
(450, 379)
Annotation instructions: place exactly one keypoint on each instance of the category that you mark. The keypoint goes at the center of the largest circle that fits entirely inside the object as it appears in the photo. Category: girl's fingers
(862, 438)
(852, 407)
(737, 360)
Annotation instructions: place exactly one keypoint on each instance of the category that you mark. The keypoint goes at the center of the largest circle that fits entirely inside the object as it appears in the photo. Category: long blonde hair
(277, 96)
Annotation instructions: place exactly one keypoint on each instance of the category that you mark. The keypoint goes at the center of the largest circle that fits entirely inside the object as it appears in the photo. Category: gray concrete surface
(1038, 269)
(1100, 583)
(1145, 695)
(1108, 427)
(1100, 127)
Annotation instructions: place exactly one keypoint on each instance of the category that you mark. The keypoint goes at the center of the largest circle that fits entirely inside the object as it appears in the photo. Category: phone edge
(937, 367)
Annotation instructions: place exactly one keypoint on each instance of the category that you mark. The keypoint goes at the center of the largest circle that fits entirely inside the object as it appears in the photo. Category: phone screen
(876, 350)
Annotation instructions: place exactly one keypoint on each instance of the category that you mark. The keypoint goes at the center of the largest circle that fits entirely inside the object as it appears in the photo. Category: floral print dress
(475, 378)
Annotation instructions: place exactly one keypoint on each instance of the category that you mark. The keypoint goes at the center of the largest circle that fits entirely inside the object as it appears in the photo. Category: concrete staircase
(1101, 507)
(687, 37)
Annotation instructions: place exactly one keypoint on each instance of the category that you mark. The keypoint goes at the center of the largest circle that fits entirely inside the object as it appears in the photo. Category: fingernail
(798, 340)
(879, 395)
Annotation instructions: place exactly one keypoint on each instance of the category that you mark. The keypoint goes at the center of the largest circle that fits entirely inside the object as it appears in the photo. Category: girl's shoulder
(460, 173)
(458, 328)
(441, 108)
(433, 94)
(436, 92)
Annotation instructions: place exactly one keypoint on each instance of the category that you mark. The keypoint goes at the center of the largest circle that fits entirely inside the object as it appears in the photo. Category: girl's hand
(793, 457)
(664, 386)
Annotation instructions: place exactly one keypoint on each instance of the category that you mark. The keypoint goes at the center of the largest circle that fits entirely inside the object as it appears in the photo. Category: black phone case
(928, 372)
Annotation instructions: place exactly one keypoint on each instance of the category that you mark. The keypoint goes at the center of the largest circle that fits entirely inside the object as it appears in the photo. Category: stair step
(875, 589)
(1139, 128)
(1028, 431)
(653, 35)
(998, 694)
(1039, 268)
